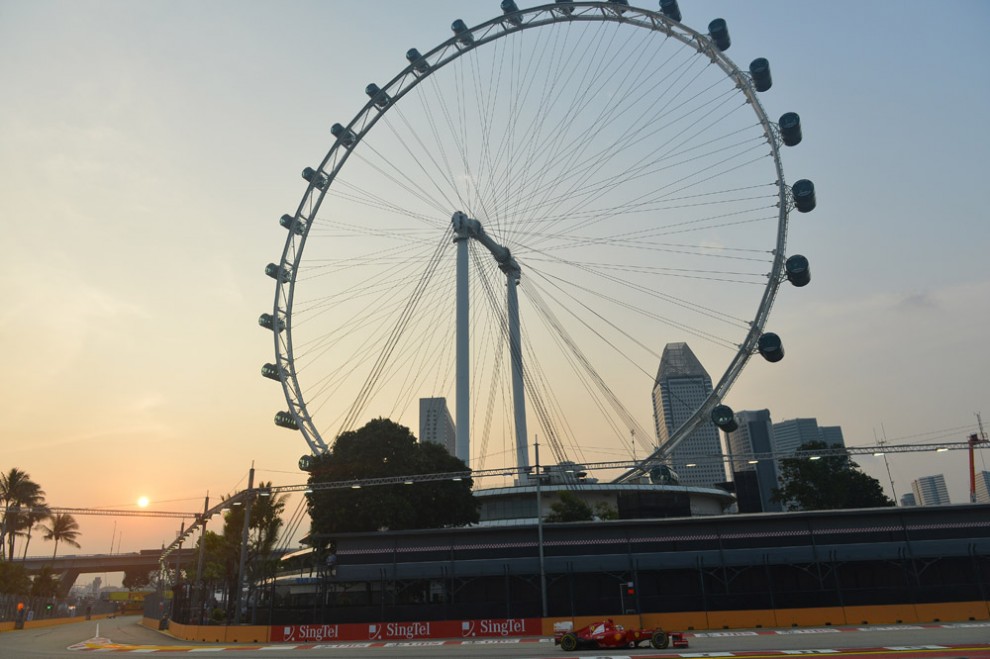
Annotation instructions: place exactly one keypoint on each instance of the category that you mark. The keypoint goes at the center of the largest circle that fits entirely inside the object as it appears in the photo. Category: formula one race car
(607, 634)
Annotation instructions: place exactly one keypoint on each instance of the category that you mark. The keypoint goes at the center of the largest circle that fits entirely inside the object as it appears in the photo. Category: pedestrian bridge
(69, 567)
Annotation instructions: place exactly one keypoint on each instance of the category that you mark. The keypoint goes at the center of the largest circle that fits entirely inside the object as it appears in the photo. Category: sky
(147, 150)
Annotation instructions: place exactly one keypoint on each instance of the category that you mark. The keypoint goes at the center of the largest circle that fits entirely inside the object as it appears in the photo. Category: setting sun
(142, 502)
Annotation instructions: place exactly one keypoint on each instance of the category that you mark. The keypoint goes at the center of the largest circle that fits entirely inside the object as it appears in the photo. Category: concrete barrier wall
(220, 633)
(684, 621)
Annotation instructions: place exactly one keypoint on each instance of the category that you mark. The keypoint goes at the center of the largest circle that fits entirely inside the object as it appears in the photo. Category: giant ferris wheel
(522, 218)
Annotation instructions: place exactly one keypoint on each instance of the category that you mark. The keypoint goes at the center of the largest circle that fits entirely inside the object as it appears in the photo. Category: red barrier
(405, 631)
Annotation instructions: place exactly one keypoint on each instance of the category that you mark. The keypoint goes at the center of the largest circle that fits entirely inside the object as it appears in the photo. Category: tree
(45, 583)
(20, 496)
(569, 508)
(828, 483)
(14, 578)
(64, 528)
(32, 519)
(381, 449)
(222, 551)
(135, 578)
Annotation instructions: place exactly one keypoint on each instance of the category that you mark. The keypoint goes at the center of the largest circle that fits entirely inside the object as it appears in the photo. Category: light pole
(241, 576)
(539, 530)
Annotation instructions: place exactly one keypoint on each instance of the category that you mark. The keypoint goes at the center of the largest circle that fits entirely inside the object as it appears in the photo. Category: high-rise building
(790, 435)
(983, 487)
(831, 435)
(930, 491)
(435, 423)
(681, 387)
(907, 499)
(754, 436)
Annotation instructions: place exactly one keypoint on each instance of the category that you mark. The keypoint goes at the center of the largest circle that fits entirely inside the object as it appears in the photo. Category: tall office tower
(907, 500)
(790, 435)
(681, 387)
(753, 436)
(435, 423)
(983, 487)
(831, 435)
(930, 491)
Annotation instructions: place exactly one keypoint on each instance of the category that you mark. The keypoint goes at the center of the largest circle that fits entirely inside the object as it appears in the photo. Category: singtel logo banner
(311, 633)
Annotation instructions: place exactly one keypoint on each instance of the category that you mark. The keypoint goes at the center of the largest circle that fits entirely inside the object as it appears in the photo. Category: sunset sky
(148, 149)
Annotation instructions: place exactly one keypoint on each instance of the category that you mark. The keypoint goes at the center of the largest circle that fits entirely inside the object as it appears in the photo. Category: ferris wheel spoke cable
(652, 292)
(357, 407)
(592, 163)
(558, 331)
(581, 377)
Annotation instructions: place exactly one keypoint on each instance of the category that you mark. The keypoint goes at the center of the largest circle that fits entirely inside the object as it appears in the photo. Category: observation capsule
(511, 11)
(267, 321)
(380, 98)
(759, 69)
(419, 64)
(286, 420)
(803, 192)
(289, 222)
(317, 179)
(565, 6)
(270, 371)
(790, 128)
(770, 347)
(670, 9)
(719, 32)
(798, 270)
(277, 273)
(724, 418)
(621, 3)
(464, 35)
(345, 136)
(306, 462)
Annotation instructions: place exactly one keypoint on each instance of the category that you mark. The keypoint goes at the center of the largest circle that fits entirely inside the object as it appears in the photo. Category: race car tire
(659, 640)
(569, 642)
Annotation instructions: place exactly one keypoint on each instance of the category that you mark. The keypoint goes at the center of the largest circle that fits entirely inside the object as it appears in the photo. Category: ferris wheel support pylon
(465, 229)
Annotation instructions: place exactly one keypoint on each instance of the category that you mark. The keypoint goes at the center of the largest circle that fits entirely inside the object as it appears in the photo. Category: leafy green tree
(831, 482)
(45, 583)
(605, 511)
(569, 507)
(381, 449)
(20, 496)
(14, 578)
(135, 578)
(222, 551)
(64, 528)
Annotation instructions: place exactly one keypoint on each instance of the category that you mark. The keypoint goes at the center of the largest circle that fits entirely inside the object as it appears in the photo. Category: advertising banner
(405, 631)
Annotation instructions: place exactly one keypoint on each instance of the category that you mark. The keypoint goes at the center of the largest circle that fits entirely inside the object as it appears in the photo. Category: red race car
(607, 634)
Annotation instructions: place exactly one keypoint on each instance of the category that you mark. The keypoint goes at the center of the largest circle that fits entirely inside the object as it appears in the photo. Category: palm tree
(17, 492)
(31, 521)
(64, 528)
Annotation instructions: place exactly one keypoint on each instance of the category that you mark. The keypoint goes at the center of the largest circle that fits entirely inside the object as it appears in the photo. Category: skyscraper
(831, 435)
(930, 491)
(754, 436)
(790, 435)
(435, 423)
(681, 387)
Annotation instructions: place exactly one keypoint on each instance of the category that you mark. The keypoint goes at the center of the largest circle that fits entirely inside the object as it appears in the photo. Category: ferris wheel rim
(445, 53)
